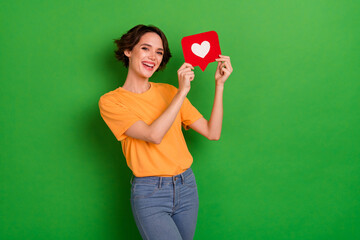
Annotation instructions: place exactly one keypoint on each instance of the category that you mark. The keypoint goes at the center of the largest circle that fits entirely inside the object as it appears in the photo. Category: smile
(148, 65)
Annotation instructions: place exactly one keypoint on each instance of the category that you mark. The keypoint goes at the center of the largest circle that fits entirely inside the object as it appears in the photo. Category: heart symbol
(201, 50)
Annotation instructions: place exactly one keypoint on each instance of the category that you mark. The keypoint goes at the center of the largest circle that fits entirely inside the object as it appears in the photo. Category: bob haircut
(132, 37)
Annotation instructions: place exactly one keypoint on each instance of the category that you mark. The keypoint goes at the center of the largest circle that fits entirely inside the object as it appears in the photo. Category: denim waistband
(155, 179)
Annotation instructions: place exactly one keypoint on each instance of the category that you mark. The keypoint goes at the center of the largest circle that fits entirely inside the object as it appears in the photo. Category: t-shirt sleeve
(189, 114)
(117, 116)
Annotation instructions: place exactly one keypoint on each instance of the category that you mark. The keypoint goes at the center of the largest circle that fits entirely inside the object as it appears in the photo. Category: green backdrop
(287, 165)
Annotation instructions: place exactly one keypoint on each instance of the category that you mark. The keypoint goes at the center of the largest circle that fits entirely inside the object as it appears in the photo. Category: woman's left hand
(223, 70)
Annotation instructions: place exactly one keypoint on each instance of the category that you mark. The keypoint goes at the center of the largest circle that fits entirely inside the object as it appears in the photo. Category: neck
(135, 83)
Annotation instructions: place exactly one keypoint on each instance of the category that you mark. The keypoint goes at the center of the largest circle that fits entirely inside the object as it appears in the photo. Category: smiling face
(146, 56)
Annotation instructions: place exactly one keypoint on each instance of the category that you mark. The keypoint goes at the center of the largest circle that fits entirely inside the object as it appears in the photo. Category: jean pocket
(143, 190)
(190, 181)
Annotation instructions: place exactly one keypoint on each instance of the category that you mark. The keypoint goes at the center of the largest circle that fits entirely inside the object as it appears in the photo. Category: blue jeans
(165, 207)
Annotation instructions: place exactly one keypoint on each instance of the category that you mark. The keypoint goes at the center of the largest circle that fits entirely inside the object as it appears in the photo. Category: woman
(147, 117)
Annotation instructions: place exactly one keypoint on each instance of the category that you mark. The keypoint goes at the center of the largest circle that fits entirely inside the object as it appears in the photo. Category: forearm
(215, 122)
(163, 123)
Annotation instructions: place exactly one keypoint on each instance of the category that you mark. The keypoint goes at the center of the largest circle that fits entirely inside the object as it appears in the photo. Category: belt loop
(160, 182)
(182, 178)
(131, 180)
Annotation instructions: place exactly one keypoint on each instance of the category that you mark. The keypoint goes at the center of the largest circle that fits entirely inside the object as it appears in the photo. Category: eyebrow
(151, 46)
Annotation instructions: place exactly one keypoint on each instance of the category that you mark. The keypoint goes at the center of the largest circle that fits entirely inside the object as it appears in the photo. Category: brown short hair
(132, 37)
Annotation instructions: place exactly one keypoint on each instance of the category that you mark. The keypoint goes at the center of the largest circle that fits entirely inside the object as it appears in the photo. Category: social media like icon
(201, 49)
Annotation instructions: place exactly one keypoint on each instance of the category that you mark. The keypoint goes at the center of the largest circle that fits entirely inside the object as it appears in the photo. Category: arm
(212, 129)
(156, 131)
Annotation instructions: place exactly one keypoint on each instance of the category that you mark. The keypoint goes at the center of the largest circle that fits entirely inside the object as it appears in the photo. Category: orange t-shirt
(121, 108)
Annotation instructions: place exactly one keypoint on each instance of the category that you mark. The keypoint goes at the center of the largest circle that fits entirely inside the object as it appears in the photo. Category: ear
(127, 53)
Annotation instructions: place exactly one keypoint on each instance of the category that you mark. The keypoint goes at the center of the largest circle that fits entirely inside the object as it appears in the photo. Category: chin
(148, 74)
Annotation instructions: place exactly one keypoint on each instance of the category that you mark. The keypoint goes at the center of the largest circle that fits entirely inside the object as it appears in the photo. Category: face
(146, 55)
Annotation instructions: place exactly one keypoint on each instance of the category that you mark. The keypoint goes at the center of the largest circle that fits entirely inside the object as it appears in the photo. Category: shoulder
(106, 96)
(110, 98)
(165, 87)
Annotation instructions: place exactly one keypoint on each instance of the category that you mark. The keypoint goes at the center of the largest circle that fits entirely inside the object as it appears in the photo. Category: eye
(160, 53)
(145, 48)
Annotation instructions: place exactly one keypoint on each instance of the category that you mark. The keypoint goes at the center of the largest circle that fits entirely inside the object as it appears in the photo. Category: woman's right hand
(185, 76)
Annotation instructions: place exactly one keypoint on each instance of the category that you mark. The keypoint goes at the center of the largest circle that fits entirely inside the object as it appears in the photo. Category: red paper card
(201, 49)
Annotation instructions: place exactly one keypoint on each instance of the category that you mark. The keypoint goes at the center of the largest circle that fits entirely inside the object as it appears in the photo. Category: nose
(152, 56)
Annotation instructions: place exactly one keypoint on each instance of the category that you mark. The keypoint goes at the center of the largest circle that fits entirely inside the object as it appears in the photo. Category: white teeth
(149, 65)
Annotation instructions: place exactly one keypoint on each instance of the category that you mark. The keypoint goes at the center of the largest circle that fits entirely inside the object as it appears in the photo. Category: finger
(224, 56)
(183, 66)
(229, 63)
(228, 66)
(226, 71)
(189, 74)
(220, 69)
(218, 66)
(185, 70)
(183, 75)
(222, 59)
(225, 66)
(222, 65)
(186, 65)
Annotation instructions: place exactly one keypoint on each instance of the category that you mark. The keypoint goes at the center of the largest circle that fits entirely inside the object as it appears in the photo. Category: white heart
(201, 50)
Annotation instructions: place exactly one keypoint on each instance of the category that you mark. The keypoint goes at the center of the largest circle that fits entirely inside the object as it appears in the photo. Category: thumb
(218, 66)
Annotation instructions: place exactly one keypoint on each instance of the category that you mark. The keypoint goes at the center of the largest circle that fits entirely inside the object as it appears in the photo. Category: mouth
(148, 65)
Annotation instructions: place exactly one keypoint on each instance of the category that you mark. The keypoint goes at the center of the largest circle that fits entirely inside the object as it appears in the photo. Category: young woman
(147, 118)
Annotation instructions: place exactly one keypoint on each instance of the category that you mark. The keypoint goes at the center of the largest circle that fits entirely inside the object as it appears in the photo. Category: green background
(287, 165)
